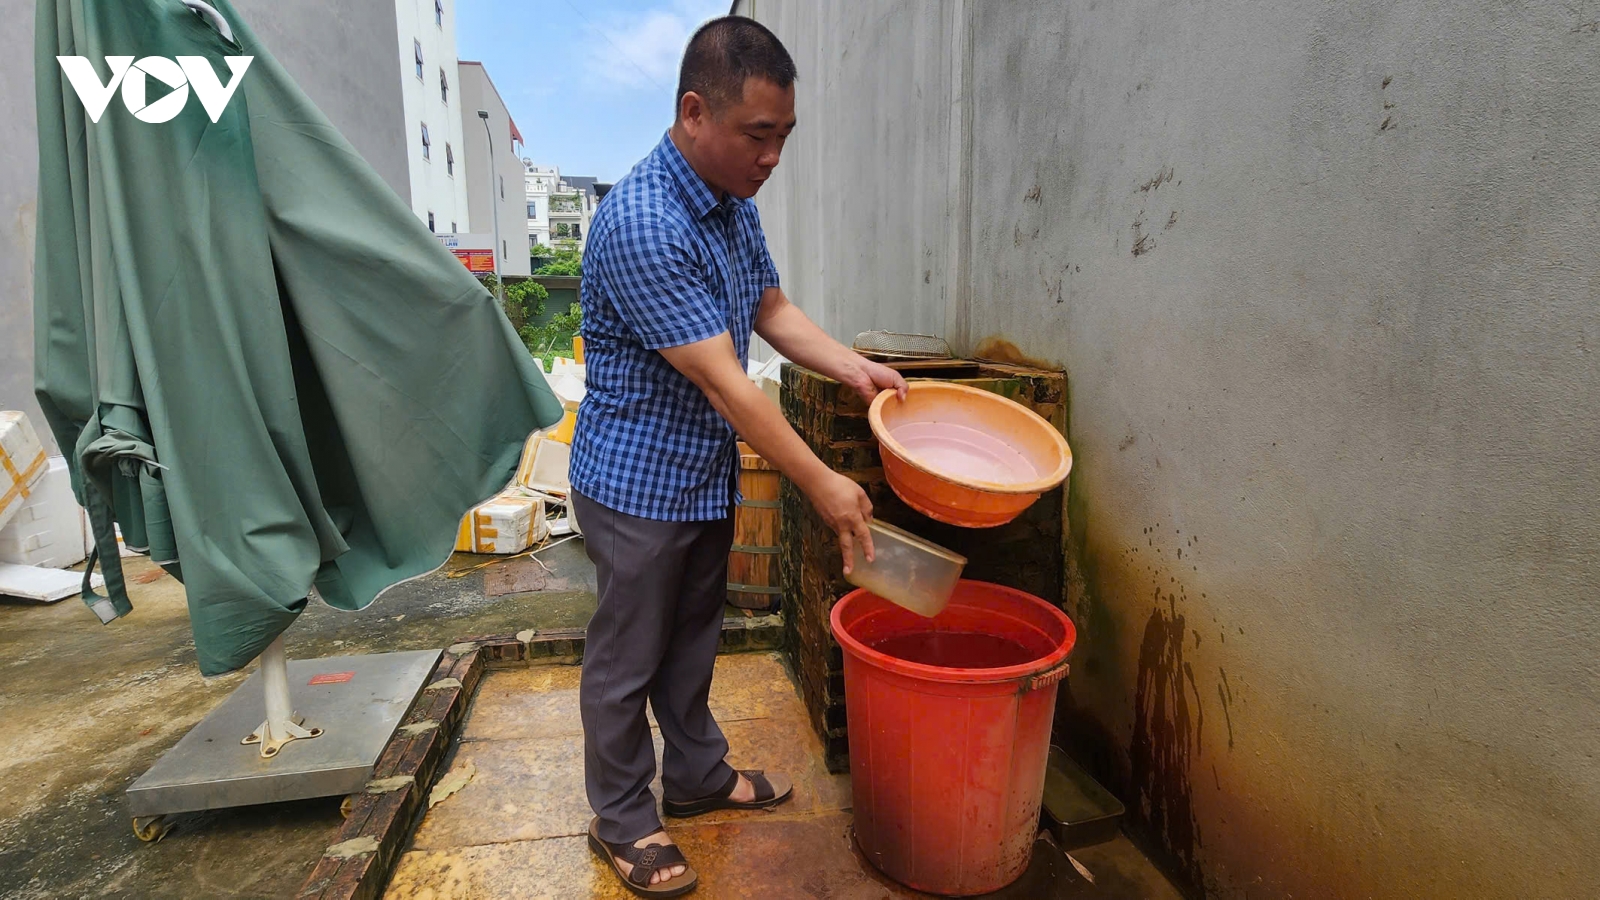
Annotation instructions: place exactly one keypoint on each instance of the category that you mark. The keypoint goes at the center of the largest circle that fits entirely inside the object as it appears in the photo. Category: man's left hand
(868, 379)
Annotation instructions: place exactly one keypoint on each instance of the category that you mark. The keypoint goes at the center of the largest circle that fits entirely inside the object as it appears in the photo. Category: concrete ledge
(358, 863)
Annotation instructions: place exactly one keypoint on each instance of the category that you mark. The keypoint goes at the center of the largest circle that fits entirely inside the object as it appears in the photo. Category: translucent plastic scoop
(908, 570)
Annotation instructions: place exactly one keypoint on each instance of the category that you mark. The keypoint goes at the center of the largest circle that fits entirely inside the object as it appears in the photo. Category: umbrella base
(274, 739)
(361, 698)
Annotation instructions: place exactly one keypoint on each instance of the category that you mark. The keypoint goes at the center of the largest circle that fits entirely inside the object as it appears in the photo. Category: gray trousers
(662, 588)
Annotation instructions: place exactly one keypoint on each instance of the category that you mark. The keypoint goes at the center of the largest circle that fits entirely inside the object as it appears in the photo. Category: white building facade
(560, 208)
(497, 194)
(433, 121)
(539, 182)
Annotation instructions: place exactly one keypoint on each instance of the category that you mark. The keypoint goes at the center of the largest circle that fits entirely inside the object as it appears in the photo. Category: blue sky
(589, 82)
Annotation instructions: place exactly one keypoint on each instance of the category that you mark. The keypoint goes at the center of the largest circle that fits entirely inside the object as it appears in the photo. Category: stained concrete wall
(342, 56)
(847, 209)
(1323, 277)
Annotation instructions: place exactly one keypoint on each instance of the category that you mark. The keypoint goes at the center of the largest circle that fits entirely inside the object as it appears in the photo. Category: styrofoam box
(509, 523)
(50, 528)
(22, 462)
(562, 365)
(546, 471)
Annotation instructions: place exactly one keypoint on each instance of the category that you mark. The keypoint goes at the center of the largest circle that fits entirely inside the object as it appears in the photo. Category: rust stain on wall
(997, 349)
(1166, 736)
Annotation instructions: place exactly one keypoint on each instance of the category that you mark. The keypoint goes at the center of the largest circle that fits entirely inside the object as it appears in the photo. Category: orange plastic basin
(965, 456)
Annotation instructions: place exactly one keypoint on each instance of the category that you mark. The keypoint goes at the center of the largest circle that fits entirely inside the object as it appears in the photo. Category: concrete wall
(1323, 276)
(341, 54)
(19, 186)
(830, 212)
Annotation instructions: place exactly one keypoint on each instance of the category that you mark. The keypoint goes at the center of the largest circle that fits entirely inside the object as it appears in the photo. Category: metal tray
(1077, 810)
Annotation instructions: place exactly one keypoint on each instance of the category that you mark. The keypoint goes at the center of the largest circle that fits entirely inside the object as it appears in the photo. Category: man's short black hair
(726, 51)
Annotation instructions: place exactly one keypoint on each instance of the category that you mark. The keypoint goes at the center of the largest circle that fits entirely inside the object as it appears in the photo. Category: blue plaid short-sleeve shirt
(666, 264)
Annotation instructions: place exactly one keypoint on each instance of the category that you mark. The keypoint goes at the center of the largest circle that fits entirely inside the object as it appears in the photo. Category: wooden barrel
(753, 561)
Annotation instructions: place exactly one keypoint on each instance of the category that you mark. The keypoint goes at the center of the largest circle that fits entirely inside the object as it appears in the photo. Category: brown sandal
(769, 793)
(646, 862)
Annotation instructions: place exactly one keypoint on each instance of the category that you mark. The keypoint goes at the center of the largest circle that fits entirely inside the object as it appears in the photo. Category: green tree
(561, 262)
(525, 299)
(553, 338)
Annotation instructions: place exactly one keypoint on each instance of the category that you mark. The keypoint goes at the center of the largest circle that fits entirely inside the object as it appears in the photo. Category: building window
(449, 160)
(438, 13)
(444, 87)
(427, 143)
(452, 228)
(503, 246)
(502, 187)
(533, 210)
(577, 230)
(430, 221)
(417, 46)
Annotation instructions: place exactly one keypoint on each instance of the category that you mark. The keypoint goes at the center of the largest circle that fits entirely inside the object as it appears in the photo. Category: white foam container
(22, 462)
(551, 461)
(50, 529)
(509, 523)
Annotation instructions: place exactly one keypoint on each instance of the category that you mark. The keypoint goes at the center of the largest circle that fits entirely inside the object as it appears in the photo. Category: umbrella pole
(282, 725)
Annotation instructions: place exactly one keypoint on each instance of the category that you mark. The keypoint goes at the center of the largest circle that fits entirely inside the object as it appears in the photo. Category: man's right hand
(845, 507)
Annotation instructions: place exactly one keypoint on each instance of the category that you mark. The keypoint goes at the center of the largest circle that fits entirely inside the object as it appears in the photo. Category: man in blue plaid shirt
(676, 278)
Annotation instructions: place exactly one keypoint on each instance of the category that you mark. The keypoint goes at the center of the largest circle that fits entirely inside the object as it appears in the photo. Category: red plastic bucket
(947, 764)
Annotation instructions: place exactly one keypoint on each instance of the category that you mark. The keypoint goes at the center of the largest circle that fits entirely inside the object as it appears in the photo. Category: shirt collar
(702, 200)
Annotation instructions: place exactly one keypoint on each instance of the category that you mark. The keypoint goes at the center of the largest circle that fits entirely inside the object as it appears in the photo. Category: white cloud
(643, 50)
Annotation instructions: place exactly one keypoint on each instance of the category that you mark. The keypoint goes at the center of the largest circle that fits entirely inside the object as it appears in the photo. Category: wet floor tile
(542, 701)
(754, 686)
(516, 830)
(779, 746)
(533, 788)
(777, 858)
(556, 869)
(522, 790)
(536, 702)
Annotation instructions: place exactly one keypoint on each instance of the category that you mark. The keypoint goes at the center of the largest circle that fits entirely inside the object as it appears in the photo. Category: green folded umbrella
(267, 370)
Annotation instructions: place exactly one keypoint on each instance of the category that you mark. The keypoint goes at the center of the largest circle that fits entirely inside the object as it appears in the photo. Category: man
(676, 277)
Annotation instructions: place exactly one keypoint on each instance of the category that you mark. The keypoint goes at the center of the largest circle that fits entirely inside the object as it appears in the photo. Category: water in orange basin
(965, 452)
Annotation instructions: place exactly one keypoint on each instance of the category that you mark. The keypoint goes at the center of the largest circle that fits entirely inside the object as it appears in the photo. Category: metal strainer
(898, 345)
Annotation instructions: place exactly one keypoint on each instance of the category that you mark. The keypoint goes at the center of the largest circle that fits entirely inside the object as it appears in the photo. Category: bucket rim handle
(1048, 677)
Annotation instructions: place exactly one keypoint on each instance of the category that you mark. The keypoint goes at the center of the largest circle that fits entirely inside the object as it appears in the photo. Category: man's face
(738, 146)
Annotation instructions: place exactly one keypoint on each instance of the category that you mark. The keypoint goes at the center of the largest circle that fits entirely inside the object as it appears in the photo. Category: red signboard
(476, 261)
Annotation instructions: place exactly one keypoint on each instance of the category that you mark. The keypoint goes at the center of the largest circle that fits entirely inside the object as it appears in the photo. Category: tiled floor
(516, 829)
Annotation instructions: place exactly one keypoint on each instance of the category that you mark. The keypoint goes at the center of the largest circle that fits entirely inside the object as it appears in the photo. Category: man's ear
(693, 112)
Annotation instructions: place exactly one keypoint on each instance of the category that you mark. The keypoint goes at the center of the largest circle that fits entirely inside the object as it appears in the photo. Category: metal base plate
(357, 700)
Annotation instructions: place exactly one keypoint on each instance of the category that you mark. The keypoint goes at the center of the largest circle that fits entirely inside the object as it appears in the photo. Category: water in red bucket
(949, 724)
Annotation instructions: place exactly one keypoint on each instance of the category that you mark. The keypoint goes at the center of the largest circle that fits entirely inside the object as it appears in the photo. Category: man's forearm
(757, 420)
(792, 333)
